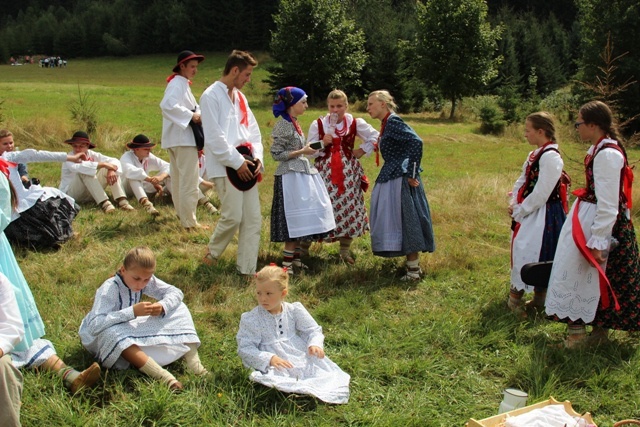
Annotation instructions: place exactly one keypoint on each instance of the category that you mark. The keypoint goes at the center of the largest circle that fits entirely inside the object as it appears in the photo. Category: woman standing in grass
(285, 345)
(538, 208)
(301, 209)
(593, 282)
(341, 170)
(400, 215)
(121, 329)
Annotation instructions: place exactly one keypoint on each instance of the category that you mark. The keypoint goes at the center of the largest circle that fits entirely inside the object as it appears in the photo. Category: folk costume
(301, 208)
(33, 325)
(178, 108)
(135, 171)
(342, 172)
(288, 335)
(228, 122)
(11, 333)
(539, 200)
(400, 215)
(579, 292)
(84, 181)
(44, 215)
(111, 327)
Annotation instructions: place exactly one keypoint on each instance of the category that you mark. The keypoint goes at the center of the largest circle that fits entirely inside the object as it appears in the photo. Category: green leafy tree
(316, 47)
(456, 47)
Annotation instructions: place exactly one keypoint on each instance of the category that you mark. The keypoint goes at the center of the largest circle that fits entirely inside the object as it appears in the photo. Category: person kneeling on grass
(121, 329)
(87, 180)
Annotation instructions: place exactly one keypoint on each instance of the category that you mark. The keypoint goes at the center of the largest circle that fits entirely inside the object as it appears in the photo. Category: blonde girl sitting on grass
(121, 329)
(284, 344)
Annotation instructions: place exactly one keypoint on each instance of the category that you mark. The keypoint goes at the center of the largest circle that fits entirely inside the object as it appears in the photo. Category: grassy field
(433, 353)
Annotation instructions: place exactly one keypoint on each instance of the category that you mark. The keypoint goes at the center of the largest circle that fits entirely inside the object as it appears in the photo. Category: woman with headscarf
(301, 208)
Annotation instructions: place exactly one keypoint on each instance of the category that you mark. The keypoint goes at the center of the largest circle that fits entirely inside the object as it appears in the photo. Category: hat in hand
(140, 141)
(81, 136)
(184, 56)
(233, 176)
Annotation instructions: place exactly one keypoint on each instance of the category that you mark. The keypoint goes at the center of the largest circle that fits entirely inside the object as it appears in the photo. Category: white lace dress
(289, 335)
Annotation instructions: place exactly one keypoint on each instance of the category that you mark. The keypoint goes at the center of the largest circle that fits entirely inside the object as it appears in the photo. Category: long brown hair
(543, 120)
(599, 114)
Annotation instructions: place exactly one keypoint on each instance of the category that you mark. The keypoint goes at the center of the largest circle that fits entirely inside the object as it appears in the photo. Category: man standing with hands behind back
(228, 123)
(179, 108)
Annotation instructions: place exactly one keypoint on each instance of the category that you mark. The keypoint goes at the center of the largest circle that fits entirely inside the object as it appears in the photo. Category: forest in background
(424, 52)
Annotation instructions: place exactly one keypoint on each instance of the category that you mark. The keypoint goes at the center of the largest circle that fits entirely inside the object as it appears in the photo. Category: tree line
(427, 52)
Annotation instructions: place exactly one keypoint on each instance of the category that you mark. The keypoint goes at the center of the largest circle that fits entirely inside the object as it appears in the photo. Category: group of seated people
(44, 215)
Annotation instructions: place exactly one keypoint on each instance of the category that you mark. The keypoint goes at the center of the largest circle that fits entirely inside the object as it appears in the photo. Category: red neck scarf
(244, 120)
(173, 76)
(5, 165)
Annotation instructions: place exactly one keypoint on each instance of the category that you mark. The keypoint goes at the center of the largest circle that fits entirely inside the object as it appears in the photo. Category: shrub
(490, 114)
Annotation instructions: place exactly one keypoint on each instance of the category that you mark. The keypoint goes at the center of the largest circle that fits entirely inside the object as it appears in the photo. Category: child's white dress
(289, 335)
(111, 327)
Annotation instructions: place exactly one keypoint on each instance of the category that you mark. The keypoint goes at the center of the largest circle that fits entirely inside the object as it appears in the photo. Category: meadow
(432, 353)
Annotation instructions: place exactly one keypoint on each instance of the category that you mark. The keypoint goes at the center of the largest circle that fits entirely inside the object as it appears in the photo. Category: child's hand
(280, 363)
(413, 182)
(147, 308)
(314, 350)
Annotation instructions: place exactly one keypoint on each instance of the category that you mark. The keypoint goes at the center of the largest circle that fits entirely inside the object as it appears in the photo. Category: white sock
(193, 361)
(157, 372)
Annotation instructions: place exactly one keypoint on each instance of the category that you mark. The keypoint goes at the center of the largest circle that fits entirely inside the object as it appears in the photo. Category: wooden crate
(498, 420)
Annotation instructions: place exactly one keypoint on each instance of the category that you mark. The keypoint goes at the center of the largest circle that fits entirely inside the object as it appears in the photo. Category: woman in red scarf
(341, 170)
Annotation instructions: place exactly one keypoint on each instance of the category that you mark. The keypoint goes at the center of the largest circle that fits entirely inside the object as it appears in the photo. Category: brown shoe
(86, 379)
(176, 386)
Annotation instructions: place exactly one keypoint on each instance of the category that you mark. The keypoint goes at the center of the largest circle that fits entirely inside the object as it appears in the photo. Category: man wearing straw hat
(228, 124)
(179, 109)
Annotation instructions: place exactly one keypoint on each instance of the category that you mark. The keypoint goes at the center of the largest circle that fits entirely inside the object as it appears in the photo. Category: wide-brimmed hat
(233, 176)
(140, 141)
(184, 56)
(81, 136)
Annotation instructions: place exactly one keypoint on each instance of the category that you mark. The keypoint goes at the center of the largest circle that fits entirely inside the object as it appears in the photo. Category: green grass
(433, 353)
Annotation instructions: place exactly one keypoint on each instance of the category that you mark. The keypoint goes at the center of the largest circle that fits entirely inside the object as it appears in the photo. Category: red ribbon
(243, 109)
(5, 165)
(581, 243)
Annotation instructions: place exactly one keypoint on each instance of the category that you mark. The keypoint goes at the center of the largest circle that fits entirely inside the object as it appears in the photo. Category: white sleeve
(255, 137)
(11, 326)
(368, 135)
(131, 170)
(172, 105)
(104, 313)
(307, 327)
(30, 155)
(606, 172)
(167, 295)
(248, 339)
(550, 170)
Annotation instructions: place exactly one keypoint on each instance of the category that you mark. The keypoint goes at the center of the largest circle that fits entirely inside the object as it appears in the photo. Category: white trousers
(85, 188)
(184, 176)
(239, 211)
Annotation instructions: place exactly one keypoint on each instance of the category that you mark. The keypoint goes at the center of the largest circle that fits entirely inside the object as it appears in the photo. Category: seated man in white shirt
(137, 165)
(87, 180)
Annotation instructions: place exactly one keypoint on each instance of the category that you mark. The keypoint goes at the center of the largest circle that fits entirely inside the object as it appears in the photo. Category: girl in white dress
(284, 344)
(592, 282)
(538, 208)
(121, 329)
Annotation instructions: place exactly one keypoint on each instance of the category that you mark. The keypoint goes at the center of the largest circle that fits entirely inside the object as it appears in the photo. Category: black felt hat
(81, 136)
(232, 174)
(140, 141)
(184, 56)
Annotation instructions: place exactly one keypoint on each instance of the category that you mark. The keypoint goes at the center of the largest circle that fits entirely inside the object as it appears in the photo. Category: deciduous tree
(456, 47)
